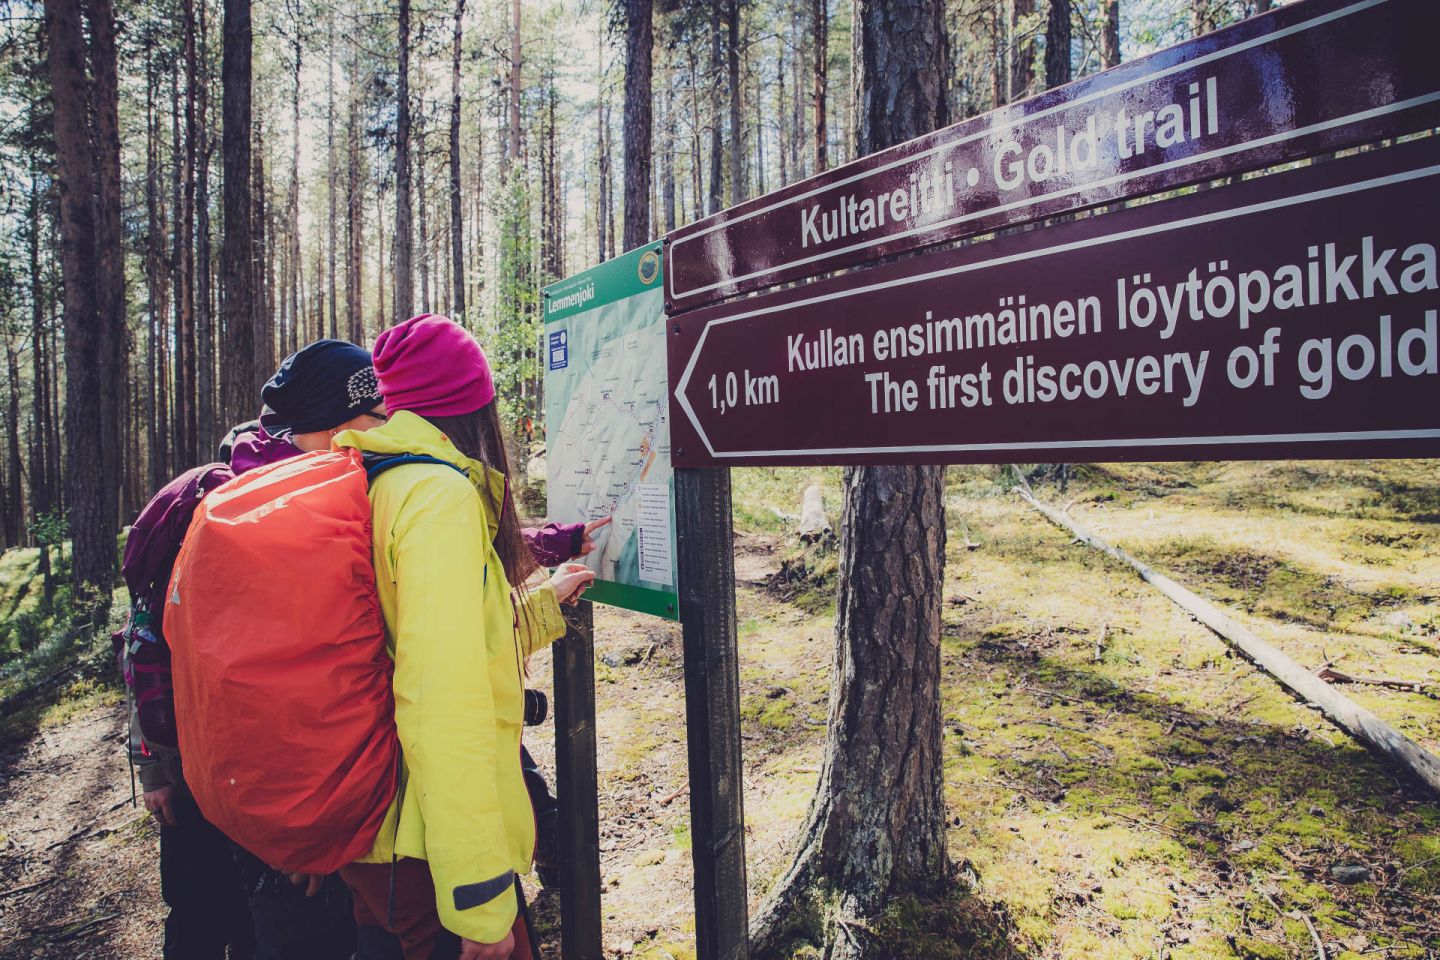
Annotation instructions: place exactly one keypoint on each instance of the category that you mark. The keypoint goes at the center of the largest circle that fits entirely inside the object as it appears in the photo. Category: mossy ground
(1119, 786)
(1154, 796)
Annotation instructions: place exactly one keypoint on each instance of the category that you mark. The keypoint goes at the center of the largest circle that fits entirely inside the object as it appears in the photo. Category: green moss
(1251, 949)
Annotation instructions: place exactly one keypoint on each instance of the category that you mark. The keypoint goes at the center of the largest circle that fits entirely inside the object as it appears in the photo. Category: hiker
(220, 896)
(451, 567)
(550, 545)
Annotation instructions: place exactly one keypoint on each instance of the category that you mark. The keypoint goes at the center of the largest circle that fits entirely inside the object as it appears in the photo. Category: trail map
(607, 426)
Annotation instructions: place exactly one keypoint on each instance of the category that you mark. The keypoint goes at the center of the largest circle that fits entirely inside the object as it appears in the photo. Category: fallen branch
(1314, 934)
(670, 798)
(1327, 672)
(77, 930)
(16, 891)
(1384, 740)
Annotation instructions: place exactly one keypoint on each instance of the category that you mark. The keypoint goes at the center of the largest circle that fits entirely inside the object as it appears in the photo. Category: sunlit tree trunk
(876, 828)
(404, 290)
(1057, 44)
(1109, 33)
(457, 227)
(820, 25)
(639, 49)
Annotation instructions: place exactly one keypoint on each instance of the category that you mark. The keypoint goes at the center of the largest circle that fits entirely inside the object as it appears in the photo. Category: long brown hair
(478, 435)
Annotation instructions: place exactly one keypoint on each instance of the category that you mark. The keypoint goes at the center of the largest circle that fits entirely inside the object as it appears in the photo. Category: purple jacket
(259, 449)
(554, 543)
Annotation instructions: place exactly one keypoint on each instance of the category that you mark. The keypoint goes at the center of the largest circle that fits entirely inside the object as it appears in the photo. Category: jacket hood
(259, 449)
(406, 432)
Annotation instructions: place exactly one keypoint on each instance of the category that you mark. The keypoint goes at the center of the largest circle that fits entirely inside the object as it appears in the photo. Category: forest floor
(1118, 784)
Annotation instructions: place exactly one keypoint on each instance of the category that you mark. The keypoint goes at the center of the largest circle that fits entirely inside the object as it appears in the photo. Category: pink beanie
(431, 366)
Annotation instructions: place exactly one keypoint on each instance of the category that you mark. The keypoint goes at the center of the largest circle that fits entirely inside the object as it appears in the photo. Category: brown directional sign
(1312, 76)
(1289, 315)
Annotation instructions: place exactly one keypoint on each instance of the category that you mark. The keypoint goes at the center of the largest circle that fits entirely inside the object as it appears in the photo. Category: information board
(607, 426)
(1293, 315)
(1306, 77)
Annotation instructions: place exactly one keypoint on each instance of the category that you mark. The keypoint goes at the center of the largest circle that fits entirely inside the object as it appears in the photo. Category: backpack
(150, 553)
(282, 681)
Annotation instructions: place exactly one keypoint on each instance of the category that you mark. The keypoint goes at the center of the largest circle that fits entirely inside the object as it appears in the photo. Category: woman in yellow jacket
(452, 568)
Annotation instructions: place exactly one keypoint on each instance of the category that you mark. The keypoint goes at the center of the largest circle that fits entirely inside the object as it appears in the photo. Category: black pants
(288, 924)
(209, 918)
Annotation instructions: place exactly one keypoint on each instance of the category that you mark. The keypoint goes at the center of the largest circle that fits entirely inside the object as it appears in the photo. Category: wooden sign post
(577, 787)
(705, 539)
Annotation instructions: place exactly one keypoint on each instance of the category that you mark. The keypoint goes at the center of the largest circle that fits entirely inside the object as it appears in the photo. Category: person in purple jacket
(221, 897)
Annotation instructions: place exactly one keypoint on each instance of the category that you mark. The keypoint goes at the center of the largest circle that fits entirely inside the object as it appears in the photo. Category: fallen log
(814, 525)
(1389, 744)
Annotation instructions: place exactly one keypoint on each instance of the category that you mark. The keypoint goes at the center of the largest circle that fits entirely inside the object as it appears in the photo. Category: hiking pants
(412, 930)
(208, 912)
(288, 924)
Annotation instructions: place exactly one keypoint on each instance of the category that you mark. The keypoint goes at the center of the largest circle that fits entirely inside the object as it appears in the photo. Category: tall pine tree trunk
(355, 207)
(404, 280)
(332, 225)
(667, 155)
(239, 374)
(205, 414)
(186, 405)
(738, 186)
(717, 126)
(83, 161)
(1022, 50)
(1109, 33)
(457, 226)
(639, 50)
(821, 27)
(1057, 44)
(422, 201)
(298, 336)
(876, 829)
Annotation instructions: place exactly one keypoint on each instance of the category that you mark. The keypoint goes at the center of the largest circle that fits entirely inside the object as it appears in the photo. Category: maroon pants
(416, 923)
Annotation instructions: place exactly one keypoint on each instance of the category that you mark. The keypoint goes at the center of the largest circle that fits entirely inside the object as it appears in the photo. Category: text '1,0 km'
(1291, 315)
(1313, 76)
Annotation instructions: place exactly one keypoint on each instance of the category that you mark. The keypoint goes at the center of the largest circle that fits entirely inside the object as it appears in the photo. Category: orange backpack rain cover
(282, 683)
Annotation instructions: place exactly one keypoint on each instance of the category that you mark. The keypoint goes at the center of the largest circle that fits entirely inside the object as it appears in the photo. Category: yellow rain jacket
(459, 645)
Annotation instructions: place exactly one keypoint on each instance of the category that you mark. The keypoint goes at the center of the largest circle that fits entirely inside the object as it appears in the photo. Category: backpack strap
(376, 465)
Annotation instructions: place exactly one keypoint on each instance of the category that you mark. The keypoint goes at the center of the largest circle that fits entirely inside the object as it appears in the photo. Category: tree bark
(43, 471)
(738, 187)
(1201, 17)
(88, 470)
(205, 393)
(186, 367)
(332, 227)
(667, 155)
(422, 202)
(602, 207)
(876, 829)
(1057, 44)
(262, 232)
(820, 23)
(1022, 50)
(355, 207)
(782, 116)
(238, 374)
(1109, 33)
(404, 282)
(717, 140)
(515, 53)
(297, 333)
(639, 52)
(457, 226)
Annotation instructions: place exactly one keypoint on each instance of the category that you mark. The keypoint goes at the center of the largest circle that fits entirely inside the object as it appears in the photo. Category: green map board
(607, 426)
